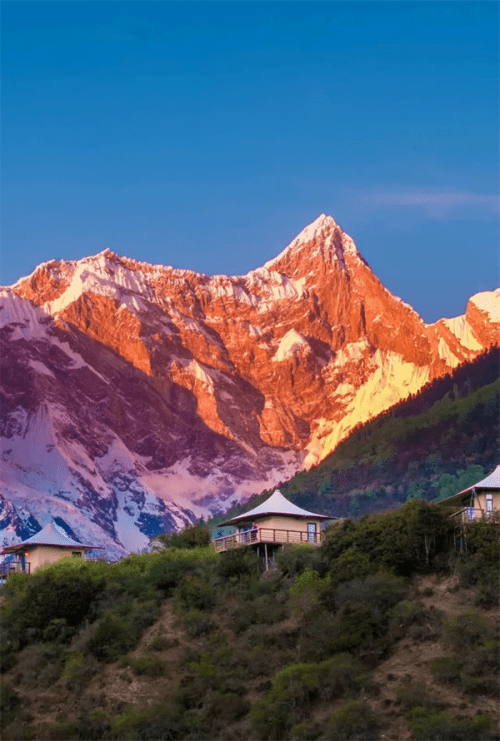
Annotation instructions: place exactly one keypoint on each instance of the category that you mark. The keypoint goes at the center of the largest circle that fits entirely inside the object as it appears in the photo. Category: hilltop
(383, 632)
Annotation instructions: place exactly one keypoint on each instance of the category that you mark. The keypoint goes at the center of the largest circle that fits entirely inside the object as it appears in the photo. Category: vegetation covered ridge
(385, 630)
(431, 446)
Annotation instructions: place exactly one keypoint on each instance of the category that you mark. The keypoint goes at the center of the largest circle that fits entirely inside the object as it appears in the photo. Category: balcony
(14, 567)
(469, 514)
(266, 535)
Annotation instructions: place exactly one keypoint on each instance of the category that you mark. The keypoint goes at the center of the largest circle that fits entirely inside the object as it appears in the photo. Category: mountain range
(137, 398)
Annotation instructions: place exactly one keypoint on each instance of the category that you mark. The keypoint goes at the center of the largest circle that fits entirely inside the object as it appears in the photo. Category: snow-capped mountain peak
(139, 397)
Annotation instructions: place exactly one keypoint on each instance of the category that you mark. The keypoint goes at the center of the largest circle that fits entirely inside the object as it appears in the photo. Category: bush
(126, 725)
(78, 670)
(237, 563)
(213, 692)
(298, 685)
(295, 559)
(483, 538)
(447, 669)
(142, 615)
(480, 565)
(109, 637)
(428, 726)
(194, 536)
(195, 593)
(351, 564)
(160, 643)
(406, 540)
(53, 601)
(147, 665)
(93, 726)
(40, 664)
(304, 732)
(259, 601)
(161, 722)
(357, 627)
(419, 623)
(307, 591)
(381, 591)
(62, 730)
(197, 623)
(318, 636)
(355, 720)
(466, 630)
(166, 570)
(414, 695)
(10, 704)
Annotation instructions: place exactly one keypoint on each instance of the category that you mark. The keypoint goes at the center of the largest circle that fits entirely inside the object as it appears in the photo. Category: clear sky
(206, 135)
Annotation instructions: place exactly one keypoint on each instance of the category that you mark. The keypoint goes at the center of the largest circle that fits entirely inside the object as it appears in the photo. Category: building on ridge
(47, 546)
(477, 501)
(271, 525)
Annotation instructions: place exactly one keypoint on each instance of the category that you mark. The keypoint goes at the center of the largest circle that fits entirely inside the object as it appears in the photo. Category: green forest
(187, 643)
(431, 446)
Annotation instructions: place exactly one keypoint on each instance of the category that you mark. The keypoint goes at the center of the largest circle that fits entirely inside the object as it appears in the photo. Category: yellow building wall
(281, 523)
(41, 555)
(480, 501)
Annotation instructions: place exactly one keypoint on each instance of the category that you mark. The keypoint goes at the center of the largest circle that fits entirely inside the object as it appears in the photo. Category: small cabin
(478, 501)
(47, 546)
(271, 525)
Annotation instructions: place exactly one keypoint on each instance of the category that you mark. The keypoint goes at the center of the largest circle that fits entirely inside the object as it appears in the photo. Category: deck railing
(266, 535)
(14, 567)
(469, 514)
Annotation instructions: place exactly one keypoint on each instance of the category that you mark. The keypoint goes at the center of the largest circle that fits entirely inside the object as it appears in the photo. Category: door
(311, 532)
(245, 533)
(489, 503)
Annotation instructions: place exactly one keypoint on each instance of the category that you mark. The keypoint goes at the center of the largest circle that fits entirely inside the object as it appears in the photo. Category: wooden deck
(469, 514)
(266, 535)
(14, 567)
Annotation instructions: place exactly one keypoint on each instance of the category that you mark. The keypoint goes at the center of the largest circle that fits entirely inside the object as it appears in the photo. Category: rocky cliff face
(138, 397)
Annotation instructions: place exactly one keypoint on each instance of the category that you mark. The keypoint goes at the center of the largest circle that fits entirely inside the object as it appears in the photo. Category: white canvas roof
(276, 505)
(490, 482)
(49, 535)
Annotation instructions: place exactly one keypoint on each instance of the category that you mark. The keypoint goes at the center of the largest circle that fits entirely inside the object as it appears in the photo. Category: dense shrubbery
(100, 609)
(407, 541)
(10, 703)
(480, 564)
(439, 726)
(194, 536)
(354, 720)
(296, 686)
(476, 662)
(298, 637)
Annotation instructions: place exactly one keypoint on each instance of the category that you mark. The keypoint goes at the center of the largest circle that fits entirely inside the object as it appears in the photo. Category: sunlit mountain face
(137, 398)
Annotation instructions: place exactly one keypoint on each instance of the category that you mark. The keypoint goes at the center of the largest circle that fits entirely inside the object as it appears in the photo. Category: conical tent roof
(490, 482)
(275, 505)
(49, 535)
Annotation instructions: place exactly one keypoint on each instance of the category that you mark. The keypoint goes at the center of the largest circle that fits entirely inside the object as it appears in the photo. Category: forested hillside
(382, 632)
(431, 446)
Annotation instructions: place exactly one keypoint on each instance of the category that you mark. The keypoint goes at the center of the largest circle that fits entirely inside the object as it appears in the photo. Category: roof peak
(276, 504)
(50, 534)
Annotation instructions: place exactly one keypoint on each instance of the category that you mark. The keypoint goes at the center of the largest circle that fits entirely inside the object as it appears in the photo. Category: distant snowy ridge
(137, 398)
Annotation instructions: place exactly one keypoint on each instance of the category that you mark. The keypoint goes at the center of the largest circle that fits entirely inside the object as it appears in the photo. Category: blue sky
(206, 135)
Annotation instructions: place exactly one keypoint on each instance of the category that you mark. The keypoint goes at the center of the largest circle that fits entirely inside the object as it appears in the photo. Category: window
(77, 554)
(489, 502)
(311, 532)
